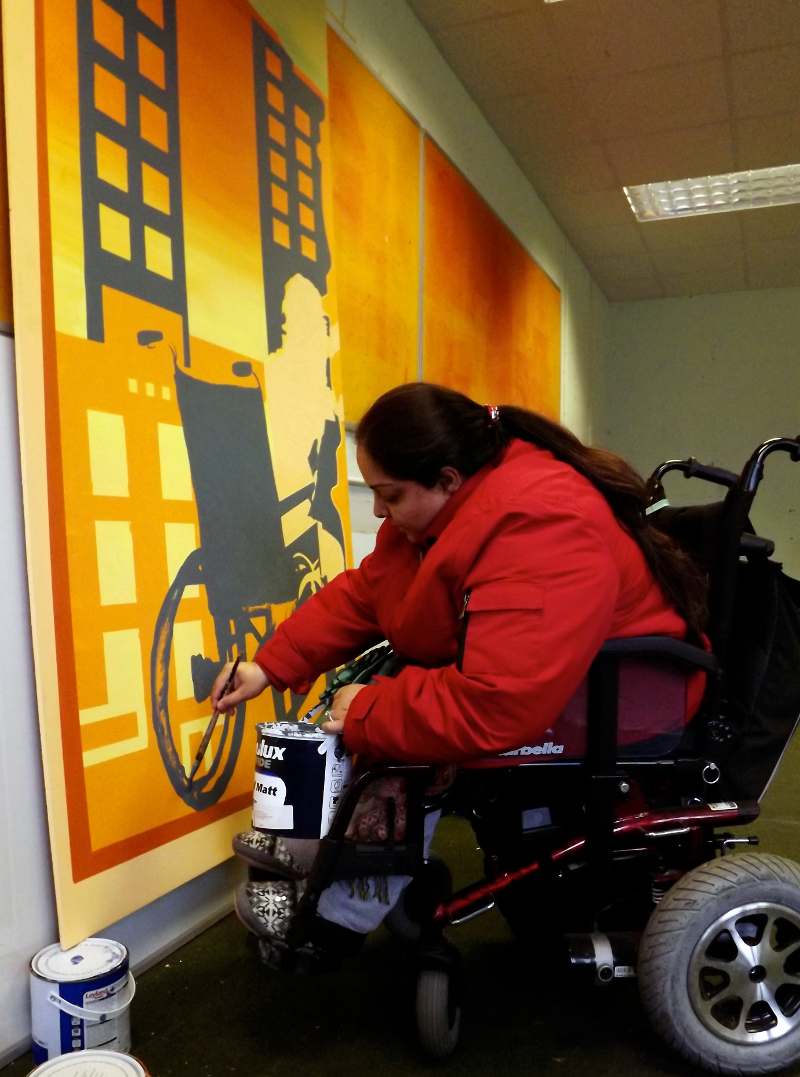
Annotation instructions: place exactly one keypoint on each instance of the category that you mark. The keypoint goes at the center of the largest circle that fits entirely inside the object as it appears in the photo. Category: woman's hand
(339, 708)
(250, 681)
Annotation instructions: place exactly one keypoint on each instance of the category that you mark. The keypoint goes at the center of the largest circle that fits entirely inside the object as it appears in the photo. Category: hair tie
(494, 414)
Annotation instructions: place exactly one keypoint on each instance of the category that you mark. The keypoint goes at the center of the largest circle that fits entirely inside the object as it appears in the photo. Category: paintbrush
(204, 743)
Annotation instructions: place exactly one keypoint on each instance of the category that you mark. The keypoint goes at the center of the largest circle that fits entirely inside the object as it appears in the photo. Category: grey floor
(212, 1009)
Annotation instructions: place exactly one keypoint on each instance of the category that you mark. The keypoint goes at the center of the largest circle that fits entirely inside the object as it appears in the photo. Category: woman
(509, 553)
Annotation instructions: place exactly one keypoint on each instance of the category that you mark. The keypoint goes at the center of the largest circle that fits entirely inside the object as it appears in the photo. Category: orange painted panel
(492, 318)
(375, 156)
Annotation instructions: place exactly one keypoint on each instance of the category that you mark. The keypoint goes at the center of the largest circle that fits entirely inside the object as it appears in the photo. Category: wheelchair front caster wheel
(438, 1012)
(719, 965)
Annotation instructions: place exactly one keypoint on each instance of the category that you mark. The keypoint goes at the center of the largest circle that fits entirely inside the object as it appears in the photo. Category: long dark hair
(415, 430)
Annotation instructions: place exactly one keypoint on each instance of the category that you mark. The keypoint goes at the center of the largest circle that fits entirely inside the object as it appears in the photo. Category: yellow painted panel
(108, 455)
(112, 162)
(187, 639)
(155, 188)
(181, 541)
(6, 305)
(176, 478)
(158, 252)
(296, 522)
(125, 694)
(115, 232)
(115, 565)
(375, 152)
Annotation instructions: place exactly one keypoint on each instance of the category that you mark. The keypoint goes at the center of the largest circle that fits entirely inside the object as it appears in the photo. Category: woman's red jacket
(546, 574)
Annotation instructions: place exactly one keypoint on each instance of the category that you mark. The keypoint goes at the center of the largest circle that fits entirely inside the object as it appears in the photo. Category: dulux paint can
(91, 1064)
(80, 999)
(301, 774)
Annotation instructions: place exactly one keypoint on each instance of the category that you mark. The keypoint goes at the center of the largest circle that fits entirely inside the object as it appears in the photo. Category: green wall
(712, 377)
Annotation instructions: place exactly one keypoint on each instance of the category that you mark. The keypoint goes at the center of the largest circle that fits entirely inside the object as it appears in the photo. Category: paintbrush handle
(204, 743)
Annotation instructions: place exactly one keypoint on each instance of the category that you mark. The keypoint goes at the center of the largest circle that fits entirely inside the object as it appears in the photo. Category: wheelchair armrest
(661, 647)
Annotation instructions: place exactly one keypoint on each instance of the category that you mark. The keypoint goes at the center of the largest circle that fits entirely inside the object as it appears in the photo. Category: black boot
(327, 946)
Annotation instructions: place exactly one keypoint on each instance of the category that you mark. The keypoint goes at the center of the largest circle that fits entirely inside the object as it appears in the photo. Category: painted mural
(193, 416)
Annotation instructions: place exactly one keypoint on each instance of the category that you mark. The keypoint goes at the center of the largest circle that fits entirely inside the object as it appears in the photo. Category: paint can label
(56, 1032)
(301, 774)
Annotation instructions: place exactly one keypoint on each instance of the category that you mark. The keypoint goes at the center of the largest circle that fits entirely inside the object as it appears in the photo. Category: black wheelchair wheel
(206, 789)
(719, 965)
(438, 1012)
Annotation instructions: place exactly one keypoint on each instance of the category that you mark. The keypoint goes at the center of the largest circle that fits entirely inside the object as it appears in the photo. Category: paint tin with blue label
(80, 999)
(301, 774)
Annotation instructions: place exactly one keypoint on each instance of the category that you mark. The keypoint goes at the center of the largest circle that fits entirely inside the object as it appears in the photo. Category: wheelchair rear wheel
(719, 965)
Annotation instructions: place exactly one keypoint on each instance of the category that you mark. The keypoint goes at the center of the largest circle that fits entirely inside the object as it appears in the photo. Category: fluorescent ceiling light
(715, 194)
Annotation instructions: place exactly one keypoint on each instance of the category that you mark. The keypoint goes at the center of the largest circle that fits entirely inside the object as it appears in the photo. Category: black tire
(438, 1013)
(719, 965)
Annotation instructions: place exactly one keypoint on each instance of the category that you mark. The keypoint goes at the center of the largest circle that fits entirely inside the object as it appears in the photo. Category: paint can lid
(291, 731)
(91, 1064)
(90, 958)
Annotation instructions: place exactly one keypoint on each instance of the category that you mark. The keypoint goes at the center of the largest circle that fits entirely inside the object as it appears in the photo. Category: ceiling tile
(724, 280)
(766, 252)
(671, 98)
(602, 38)
(773, 22)
(779, 276)
(620, 242)
(709, 230)
(591, 209)
(499, 57)
(563, 167)
(626, 290)
(766, 82)
(439, 14)
(692, 261)
(548, 116)
(768, 141)
(630, 267)
(773, 222)
(672, 155)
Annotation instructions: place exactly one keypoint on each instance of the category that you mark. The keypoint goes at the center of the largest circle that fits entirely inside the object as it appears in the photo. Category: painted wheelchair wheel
(206, 789)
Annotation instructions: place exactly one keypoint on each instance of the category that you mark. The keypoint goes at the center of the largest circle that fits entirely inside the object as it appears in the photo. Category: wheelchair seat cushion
(651, 718)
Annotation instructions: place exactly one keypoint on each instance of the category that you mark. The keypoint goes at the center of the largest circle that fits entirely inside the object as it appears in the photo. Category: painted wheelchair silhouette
(243, 564)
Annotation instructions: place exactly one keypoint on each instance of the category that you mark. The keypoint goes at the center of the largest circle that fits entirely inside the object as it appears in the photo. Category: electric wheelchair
(615, 826)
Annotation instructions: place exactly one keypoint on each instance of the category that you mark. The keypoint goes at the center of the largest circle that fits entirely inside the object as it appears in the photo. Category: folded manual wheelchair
(615, 826)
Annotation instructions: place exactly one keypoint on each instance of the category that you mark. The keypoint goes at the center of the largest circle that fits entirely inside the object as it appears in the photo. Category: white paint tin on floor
(91, 1064)
(80, 999)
